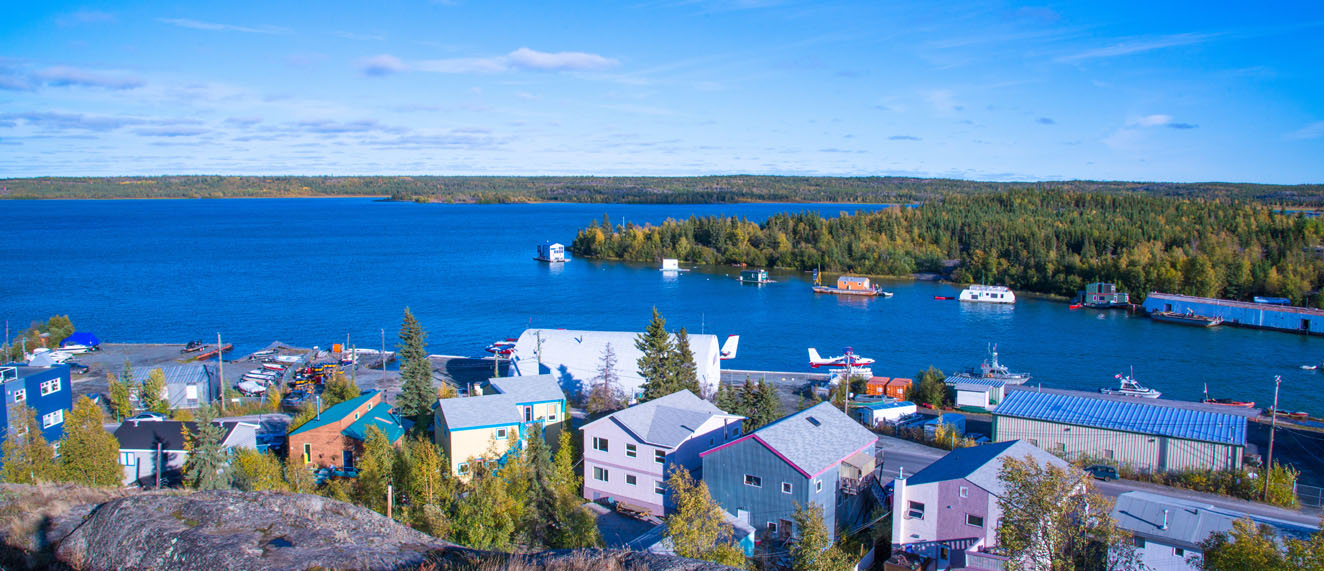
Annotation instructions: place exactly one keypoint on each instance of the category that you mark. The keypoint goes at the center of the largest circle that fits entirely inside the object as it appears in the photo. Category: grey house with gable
(809, 456)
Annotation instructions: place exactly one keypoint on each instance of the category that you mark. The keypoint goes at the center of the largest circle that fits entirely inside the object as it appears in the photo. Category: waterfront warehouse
(574, 357)
(1144, 435)
(1241, 313)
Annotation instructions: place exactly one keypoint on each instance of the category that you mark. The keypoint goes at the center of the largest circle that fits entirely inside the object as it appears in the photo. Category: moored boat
(992, 369)
(1103, 295)
(852, 285)
(1128, 387)
(1189, 318)
(754, 276)
(988, 294)
(1225, 402)
(552, 253)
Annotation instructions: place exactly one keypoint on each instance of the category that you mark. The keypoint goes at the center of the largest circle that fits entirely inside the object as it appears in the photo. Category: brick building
(335, 437)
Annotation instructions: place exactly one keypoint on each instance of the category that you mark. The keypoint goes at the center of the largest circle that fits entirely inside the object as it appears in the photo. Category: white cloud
(1151, 121)
(943, 101)
(379, 65)
(85, 16)
(523, 59)
(1136, 46)
(1312, 131)
(68, 76)
(215, 27)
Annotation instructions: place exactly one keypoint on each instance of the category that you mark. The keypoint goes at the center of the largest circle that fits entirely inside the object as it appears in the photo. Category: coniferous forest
(1051, 242)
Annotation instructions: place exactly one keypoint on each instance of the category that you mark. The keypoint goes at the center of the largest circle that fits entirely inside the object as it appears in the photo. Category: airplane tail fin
(813, 356)
(729, 347)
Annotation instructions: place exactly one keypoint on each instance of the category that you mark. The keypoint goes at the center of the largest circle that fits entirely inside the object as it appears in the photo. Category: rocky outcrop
(251, 531)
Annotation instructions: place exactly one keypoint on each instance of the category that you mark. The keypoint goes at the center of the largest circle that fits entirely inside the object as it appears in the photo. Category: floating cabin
(670, 265)
(1104, 295)
(1289, 318)
(754, 276)
(854, 283)
(551, 252)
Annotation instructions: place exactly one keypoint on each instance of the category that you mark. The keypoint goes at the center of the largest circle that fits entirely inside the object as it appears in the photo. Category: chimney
(1165, 520)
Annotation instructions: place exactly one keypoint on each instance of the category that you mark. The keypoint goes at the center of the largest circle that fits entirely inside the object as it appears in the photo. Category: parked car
(1102, 472)
(147, 417)
(295, 400)
(77, 367)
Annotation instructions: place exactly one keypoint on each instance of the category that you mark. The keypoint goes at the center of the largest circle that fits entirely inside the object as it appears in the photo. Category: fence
(1310, 496)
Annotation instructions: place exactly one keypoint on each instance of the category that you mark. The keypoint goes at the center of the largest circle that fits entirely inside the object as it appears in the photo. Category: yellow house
(471, 428)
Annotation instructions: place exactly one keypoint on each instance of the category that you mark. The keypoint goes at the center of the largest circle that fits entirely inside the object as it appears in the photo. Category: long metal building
(1242, 313)
(1146, 436)
(575, 356)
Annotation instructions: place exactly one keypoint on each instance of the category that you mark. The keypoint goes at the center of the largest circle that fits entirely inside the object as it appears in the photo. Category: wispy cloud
(170, 131)
(72, 121)
(217, 27)
(359, 36)
(904, 138)
(330, 127)
(1046, 121)
(61, 76)
(1136, 46)
(380, 65)
(943, 101)
(84, 16)
(523, 59)
(1159, 121)
(1312, 131)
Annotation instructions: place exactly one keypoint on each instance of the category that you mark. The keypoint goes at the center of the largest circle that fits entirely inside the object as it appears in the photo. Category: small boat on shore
(944, 298)
(502, 348)
(1189, 318)
(988, 294)
(852, 285)
(1128, 387)
(1224, 402)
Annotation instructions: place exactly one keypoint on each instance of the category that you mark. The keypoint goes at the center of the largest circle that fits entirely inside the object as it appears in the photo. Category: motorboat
(504, 348)
(1128, 387)
(1189, 318)
(992, 369)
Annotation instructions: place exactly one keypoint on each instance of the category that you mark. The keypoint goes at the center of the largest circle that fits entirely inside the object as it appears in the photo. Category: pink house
(627, 453)
(949, 510)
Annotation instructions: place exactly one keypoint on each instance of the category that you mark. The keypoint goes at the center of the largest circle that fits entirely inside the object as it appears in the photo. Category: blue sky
(1167, 91)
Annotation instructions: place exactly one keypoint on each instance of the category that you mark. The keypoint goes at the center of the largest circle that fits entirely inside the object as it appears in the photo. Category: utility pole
(383, 354)
(220, 368)
(1273, 425)
(354, 365)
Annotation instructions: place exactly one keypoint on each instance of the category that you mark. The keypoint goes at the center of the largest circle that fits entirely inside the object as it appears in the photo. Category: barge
(852, 285)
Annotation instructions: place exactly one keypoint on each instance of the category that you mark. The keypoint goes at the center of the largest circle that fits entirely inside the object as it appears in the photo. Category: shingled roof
(146, 434)
(813, 439)
(980, 464)
(667, 421)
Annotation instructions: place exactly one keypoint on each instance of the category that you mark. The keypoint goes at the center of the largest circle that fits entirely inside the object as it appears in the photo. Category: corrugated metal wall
(1267, 316)
(1140, 450)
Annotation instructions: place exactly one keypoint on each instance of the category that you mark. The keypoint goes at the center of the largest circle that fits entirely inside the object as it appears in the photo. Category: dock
(209, 351)
(1272, 316)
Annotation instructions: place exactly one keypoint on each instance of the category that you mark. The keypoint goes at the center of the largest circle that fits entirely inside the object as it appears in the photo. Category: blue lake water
(310, 271)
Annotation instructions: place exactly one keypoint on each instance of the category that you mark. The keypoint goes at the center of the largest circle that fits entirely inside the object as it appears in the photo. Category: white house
(574, 356)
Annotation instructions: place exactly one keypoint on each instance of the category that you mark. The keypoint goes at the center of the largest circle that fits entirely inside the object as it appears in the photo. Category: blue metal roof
(980, 381)
(881, 405)
(1138, 417)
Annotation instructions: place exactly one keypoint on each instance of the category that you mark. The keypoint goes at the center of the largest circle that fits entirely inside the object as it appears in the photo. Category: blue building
(1242, 313)
(46, 390)
(817, 455)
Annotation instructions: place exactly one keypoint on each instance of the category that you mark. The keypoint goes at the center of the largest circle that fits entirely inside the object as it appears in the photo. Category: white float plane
(729, 347)
(849, 359)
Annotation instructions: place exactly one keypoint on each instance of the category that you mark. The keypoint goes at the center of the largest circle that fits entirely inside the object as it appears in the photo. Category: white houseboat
(551, 252)
(988, 294)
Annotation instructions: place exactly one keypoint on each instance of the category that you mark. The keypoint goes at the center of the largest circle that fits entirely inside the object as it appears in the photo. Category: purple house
(627, 453)
(949, 510)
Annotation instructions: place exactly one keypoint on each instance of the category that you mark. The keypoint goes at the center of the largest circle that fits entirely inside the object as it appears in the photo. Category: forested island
(1051, 242)
(639, 190)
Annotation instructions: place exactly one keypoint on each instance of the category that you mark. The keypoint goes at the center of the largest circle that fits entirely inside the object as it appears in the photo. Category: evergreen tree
(27, 457)
(485, 518)
(605, 392)
(565, 459)
(814, 550)
(427, 478)
(655, 364)
(89, 455)
(339, 389)
(299, 478)
(685, 375)
(121, 407)
(416, 392)
(206, 467)
(257, 471)
(152, 395)
(557, 518)
(696, 527)
(728, 400)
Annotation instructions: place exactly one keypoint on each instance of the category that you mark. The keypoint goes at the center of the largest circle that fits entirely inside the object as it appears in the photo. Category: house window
(786, 487)
(1140, 542)
(462, 468)
(128, 459)
(631, 450)
(20, 395)
(752, 480)
(974, 520)
(52, 419)
(600, 444)
(528, 414)
(501, 433)
(630, 479)
(1059, 447)
(600, 474)
(51, 386)
(818, 486)
(1179, 552)
(965, 492)
(915, 511)
(307, 453)
(772, 527)
(660, 456)
(551, 417)
(658, 488)
(1108, 454)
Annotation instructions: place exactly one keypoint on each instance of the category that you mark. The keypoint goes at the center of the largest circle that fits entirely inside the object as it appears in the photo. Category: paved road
(903, 456)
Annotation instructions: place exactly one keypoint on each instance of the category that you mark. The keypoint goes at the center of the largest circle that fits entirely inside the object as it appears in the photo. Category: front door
(348, 459)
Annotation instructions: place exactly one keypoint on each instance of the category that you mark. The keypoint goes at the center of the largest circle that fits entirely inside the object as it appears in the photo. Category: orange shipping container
(337, 348)
(897, 388)
(876, 386)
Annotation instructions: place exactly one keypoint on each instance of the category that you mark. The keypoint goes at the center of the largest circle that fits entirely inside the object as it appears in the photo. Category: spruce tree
(120, 405)
(767, 407)
(27, 457)
(605, 394)
(89, 455)
(206, 467)
(416, 391)
(685, 374)
(376, 471)
(728, 400)
(654, 365)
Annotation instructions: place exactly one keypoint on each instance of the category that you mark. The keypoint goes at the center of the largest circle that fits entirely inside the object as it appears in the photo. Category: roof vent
(813, 421)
